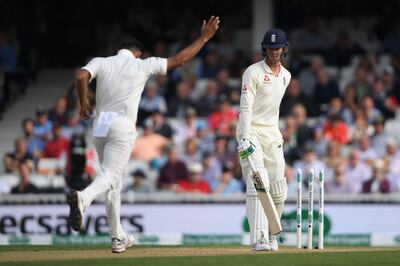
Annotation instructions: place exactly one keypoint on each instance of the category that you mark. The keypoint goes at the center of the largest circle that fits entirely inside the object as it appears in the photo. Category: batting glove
(246, 148)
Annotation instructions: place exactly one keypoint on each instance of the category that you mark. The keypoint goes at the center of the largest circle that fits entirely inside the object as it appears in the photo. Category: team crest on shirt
(266, 79)
(284, 82)
(245, 88)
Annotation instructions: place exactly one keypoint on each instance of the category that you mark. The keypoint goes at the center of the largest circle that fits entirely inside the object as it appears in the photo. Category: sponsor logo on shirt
(266, 79)
(284, 82)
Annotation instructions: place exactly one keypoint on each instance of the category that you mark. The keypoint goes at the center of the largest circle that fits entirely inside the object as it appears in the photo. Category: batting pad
(257, 220)
(279, 190)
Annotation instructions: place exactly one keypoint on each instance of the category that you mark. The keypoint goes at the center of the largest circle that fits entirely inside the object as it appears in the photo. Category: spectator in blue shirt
(43, 127)
(227, 184)
(152, 100)
(35, 145)
(212, 169)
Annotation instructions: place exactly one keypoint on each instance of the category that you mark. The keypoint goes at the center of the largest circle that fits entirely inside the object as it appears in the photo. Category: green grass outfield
(194, 255)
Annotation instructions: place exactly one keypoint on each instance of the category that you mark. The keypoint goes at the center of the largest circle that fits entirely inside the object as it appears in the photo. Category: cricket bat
(266, 201)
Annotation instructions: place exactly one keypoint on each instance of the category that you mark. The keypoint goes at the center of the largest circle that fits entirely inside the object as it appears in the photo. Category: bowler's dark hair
(131, 44)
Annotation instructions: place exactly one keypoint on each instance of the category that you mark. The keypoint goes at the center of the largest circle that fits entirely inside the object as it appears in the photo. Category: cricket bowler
(260, 140)
(120, 83)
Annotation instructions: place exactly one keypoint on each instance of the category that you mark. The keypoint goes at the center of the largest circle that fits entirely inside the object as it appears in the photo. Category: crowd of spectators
(14, 68)
(187, 121)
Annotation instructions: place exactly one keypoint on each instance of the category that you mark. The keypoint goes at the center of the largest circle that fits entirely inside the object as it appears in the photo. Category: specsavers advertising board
(361, 224)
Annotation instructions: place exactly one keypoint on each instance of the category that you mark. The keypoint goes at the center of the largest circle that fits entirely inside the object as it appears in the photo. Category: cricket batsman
(260, 140)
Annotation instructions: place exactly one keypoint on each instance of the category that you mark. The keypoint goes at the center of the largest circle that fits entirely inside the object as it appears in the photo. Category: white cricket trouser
(268, 159)
(114, 152)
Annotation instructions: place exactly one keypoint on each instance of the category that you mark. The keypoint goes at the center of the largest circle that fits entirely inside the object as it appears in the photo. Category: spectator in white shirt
(393, 160)
(311, 161)
(357, 172)
(340, 183)
(367, 154)
(186, 128)
(379, 137)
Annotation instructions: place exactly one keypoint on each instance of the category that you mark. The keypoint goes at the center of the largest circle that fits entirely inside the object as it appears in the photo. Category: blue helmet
(274, 38)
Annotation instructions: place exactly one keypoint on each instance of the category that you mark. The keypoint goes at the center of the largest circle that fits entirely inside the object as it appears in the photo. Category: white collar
(268, 69)
(126, 52)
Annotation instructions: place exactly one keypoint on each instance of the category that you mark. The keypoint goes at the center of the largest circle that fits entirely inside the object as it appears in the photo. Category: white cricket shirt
(120, 81)
(261, 96)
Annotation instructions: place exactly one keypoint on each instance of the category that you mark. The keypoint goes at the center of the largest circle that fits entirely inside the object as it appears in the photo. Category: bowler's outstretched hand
(209, 28)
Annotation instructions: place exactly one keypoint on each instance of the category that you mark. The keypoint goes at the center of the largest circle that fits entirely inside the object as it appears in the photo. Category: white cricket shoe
(119, 246)
(262, 244)
(273, 242)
